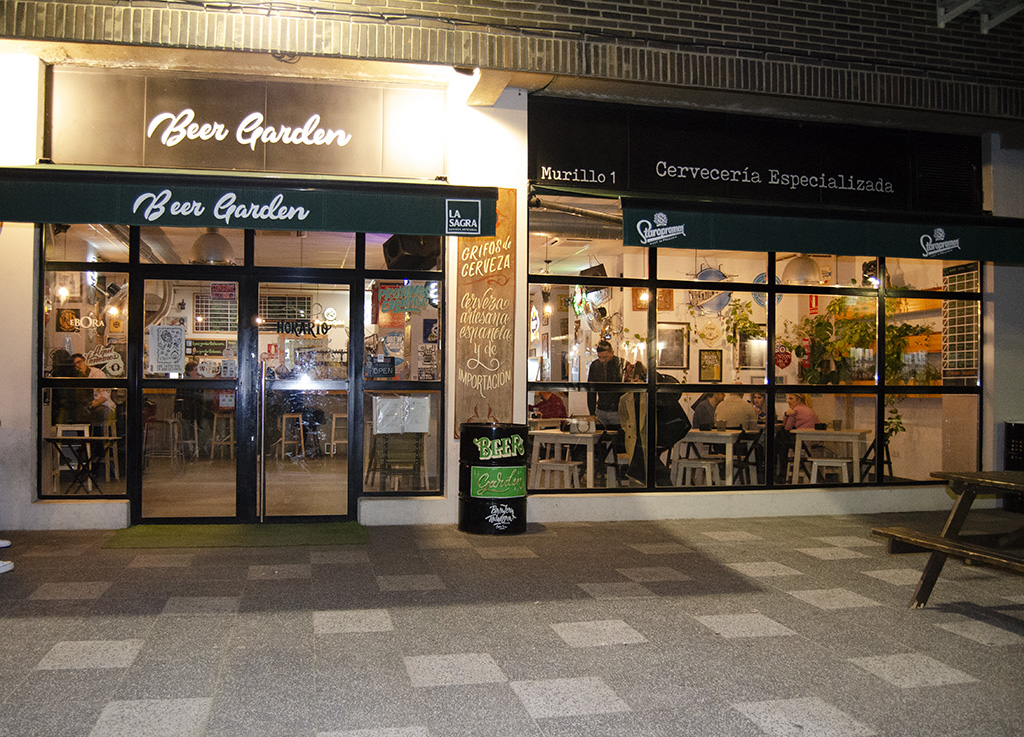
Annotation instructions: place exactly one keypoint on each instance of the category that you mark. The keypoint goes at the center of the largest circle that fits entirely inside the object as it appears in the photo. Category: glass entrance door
(245, 400)
(303, 398)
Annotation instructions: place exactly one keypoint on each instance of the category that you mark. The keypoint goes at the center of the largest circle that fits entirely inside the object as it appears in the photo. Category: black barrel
(492, 478)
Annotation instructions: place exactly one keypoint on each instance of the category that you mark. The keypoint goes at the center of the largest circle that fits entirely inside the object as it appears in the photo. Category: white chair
(831, 463)
(684, 471)
(553, 473)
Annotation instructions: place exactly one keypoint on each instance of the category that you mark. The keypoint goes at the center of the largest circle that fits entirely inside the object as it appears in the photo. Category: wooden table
(727, 438)
(991, 550)
(557, 438)
(856, 438)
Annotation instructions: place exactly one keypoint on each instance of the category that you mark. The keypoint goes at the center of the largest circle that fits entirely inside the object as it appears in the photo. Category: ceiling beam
(988, 22)
(946, 12)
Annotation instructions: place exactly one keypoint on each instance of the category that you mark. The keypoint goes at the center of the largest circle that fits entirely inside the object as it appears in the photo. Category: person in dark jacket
(607, 368)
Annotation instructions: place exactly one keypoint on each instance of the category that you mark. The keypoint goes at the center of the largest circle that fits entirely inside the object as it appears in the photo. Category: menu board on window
(484, 341)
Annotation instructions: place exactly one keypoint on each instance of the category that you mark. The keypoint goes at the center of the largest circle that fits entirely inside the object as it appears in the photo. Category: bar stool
(298, 440)
(339, 431)
(162, 440)
(551, 470)
(684, 471)
(823, 463)
(223, 437)
(110, 449)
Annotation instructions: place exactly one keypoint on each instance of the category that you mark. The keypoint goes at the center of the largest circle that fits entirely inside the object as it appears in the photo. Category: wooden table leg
(932, 569)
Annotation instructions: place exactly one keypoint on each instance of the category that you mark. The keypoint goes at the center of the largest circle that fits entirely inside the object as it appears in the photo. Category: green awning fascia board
(176, 198)
(980, 238)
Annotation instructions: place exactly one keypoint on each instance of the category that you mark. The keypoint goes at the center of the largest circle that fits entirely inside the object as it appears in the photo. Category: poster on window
(485, 307)
(166, 349)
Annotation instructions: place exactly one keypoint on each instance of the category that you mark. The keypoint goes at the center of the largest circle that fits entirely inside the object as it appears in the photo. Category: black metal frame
(249, 277)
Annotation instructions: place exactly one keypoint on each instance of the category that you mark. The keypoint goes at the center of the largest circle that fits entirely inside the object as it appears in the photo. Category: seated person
(704, 410)
(550, 405)
(734, 412)
(799, 416)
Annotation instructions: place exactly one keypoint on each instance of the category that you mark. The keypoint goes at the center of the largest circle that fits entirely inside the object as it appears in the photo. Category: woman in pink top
(799, 416)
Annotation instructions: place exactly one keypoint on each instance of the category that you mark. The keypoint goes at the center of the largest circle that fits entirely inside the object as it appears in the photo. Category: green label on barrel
(491, 449)
(495, 482)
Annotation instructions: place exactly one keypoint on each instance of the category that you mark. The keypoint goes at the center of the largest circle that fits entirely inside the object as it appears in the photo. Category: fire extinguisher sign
(812, 304)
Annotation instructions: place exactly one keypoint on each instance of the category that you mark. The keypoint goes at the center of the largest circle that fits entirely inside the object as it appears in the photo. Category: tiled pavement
(779, 627)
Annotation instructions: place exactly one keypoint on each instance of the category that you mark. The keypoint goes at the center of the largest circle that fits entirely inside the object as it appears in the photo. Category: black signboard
(586, 145)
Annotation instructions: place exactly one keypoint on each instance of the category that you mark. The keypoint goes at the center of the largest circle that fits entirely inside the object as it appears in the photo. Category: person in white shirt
(735, 412)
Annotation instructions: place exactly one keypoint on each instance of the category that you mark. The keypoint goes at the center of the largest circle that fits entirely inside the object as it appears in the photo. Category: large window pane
(402, 329)
(401, 441)
(85, 445)
(86, 243)
(308, 249)
(919, 273)
(189, 446)
(191, 321)
(820, 269)
(202, 246)
(688, 263)
(825, 340)
(304, 330)
(930, 433)
(828, 438)
(85, 312)
(404, 252)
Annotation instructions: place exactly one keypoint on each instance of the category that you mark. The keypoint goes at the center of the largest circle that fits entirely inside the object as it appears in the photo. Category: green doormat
(238, 536)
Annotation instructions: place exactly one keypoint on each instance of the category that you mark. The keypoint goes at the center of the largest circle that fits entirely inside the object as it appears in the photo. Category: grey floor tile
(568, 697)
(662, 548)
(616, 590)
(76, 655)
(896, 576)
(833, 598)
(380, 732)
(851, 541)
(598, 633)
(350, 621)
(411, 582)
(153, 718)
(71, 590)
(832, 553)
(655, 573)
(505, 552)
(983, 633)
(732, 536)
(283, 571)
(912, 670)
(764, 569)
(201, 605)
(163, 560)
(453, 670)
(744, 625)
(803, 717)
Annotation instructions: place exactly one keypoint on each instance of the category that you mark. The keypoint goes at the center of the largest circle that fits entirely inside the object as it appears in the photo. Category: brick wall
(880, 53)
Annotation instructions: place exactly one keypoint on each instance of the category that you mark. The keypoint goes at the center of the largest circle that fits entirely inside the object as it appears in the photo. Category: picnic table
(989, 550)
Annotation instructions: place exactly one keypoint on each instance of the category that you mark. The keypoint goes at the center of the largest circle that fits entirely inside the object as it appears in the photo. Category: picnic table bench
(992, 550)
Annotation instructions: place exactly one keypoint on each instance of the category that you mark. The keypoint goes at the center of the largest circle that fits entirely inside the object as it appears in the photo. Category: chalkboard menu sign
(485, 336)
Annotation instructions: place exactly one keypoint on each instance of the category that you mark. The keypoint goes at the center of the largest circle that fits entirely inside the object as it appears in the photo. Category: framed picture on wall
(752, 352)
(710, 365)
(641, 296)
(674, 345)
(544, 344)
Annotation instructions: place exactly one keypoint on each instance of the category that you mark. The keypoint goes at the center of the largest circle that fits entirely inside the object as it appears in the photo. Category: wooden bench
(916, 541)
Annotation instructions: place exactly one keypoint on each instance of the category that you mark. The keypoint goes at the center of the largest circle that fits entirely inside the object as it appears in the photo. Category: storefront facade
(311, 341)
